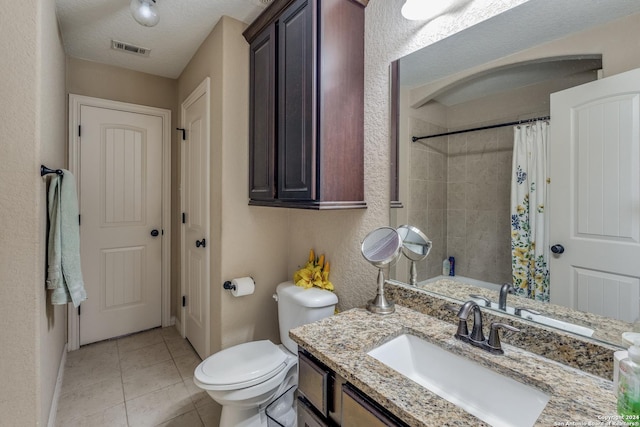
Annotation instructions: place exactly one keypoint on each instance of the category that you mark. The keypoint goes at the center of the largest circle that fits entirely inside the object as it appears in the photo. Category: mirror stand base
(380, 305)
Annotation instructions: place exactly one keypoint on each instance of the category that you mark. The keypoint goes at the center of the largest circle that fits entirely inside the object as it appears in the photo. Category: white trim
(203, 89)
(75, 103)
(53, 411)
(179, 326)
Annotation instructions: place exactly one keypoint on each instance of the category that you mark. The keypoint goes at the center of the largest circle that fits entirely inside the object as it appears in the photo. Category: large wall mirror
(475, 87)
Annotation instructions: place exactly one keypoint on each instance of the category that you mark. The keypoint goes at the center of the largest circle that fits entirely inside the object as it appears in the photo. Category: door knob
(557, 249)
(155, 232)
(201, 243)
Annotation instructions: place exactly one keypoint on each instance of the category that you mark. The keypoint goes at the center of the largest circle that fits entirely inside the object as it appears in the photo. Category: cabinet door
(357, 411)
(296, 124)
(262, 116)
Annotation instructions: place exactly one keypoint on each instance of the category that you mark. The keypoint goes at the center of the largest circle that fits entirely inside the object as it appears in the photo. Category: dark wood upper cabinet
(261, 115)
(307, 105)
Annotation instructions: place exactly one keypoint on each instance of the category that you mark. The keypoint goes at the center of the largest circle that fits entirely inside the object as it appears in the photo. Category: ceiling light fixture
(424, 10)
(144, 12)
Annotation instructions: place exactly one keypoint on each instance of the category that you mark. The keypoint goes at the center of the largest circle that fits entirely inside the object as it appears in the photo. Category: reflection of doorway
(595, 196)
(459, 185)
(195, 219)
(118, 160)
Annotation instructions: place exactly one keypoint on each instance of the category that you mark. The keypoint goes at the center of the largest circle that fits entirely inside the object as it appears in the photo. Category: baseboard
(56, 392)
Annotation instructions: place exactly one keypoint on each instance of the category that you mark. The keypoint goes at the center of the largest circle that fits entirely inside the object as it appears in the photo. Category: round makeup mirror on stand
(381, 248)
(415, 246)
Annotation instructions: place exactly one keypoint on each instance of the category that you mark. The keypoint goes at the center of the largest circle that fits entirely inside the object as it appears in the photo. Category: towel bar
(45, 171)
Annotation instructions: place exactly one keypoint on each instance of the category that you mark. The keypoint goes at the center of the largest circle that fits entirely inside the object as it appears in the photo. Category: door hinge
(184, 218)
(184, 133)
(79, 222)
(79, 309)
(184, 300)
(79, 131)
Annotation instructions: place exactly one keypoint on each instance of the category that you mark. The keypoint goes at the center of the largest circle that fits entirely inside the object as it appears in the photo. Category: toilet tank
(299, 306)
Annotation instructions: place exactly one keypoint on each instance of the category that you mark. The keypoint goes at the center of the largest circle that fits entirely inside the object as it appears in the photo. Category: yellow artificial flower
(328, 286)
(315, 273)
(309, 277)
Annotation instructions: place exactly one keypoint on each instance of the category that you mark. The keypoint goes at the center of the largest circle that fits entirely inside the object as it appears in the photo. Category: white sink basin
(494, 398)
(548, 321)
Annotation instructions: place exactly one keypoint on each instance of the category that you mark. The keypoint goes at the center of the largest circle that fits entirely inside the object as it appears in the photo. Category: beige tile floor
(144, 379)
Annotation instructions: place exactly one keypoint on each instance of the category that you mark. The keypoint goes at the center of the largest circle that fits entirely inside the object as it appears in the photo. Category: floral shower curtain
(529, 228)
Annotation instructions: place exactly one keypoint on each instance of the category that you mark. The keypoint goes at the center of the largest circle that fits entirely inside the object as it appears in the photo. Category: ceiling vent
(129, 48)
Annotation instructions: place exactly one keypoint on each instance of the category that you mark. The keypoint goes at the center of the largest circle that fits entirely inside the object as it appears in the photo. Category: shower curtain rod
(519, 122)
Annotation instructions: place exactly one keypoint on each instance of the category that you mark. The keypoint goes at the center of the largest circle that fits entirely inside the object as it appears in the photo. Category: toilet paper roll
(242, 286)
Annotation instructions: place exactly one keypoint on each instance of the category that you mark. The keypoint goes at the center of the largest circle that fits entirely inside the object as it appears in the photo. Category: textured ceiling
(88, 26)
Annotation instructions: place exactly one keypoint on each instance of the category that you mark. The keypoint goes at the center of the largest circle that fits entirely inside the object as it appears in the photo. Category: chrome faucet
(493, 344)
(505, 289)
(485, 300)
(476, 337)
(518, 311)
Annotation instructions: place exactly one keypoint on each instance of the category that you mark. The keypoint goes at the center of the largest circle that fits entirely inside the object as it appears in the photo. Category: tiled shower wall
(427, 207)
(478, 195)
(459, 196)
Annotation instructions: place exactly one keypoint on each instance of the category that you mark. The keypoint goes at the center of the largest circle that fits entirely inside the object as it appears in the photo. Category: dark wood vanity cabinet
(306, 137)
(326, 399)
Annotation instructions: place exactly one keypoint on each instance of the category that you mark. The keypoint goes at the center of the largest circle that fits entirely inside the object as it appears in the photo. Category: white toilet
(247, 377)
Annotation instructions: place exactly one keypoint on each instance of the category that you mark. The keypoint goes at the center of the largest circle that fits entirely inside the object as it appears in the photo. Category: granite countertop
(605, 329)
(341, 342)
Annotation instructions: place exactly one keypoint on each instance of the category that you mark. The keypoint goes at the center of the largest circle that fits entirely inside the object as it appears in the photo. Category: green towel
(64, 275)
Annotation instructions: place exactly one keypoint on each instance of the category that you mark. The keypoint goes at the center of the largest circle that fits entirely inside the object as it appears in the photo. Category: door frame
(75, 104)
(203, 89)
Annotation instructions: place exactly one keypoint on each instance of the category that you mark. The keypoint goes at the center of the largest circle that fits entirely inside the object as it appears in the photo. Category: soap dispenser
(628, 391)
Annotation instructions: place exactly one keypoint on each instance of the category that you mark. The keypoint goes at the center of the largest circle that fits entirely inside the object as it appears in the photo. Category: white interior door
(120, 206)
(595, 196)
(195, 205)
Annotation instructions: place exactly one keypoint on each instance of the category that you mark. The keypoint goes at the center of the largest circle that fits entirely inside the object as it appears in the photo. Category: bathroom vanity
(338, 348)
(326, 398)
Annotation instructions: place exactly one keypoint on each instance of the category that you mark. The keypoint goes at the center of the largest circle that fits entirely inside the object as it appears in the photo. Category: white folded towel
(64, 274)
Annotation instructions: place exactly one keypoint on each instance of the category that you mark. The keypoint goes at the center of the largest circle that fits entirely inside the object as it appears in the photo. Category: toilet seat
(241, 366)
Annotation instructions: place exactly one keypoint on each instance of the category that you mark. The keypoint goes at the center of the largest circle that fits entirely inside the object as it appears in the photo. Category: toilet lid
(242, 363)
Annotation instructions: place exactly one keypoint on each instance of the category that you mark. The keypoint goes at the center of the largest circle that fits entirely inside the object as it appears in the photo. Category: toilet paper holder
(230, 286)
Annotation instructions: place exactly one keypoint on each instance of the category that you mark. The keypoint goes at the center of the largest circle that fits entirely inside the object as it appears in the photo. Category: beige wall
(118, 84)
(270, 244)
(388, 36)
(246, 240)
(53, 152)
(33, 131)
